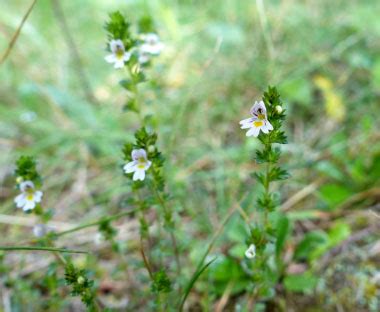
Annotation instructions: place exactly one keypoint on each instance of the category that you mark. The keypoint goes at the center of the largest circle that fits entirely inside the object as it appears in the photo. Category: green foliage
(282, 231)
(80, 284)
(304, 283)
(161, 282)
(146, 25)
(26, 168)
(118, 28)
(108, 231)
(195, 114)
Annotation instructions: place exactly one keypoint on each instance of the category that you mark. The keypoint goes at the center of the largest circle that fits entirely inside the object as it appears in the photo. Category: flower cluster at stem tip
(128, 48)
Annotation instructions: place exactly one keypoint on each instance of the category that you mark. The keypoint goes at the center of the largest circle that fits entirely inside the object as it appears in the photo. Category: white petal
(127, 56)
(253, 132)
(119, 64)
(130, 167)
(269, 126)
(154, 49)
(26, 185)
(20, 200)
(246, 125)
(139, 175)
(138, 153)
(38, 196)
(264, 129)
(29, 205)
(255, 110)
(110, 58)
(143, 57)
(244, 121)
(115, 44)
(148, 164)
(251, 252)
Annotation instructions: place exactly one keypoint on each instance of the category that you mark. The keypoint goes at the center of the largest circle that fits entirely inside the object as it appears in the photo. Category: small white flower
(119, 55)
(40, 230)
(258, 122)
(138, 165)
(152, 45)
(144, 57)
(250, 253)
(29, 197)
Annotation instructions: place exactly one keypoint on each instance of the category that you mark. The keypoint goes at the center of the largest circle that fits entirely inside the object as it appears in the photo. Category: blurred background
(61, 102)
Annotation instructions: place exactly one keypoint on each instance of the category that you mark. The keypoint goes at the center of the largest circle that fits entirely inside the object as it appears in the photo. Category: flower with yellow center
(138, 165)
(258, 122)
(29, 197)
(118, 55)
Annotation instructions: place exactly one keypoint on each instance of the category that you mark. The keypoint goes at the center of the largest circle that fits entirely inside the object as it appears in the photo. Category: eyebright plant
(268, 232)
(143, 163)
(28, 180)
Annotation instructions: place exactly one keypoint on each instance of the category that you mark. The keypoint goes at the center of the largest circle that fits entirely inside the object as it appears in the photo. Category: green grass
(219, 58)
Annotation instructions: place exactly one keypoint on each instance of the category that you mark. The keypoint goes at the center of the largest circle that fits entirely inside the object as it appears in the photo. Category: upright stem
(172, 237)
(266, 186)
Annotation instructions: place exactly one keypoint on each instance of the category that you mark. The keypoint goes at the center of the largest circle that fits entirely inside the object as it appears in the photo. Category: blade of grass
(40, 248)
(95, 223)
(200, 267)
(192, 282)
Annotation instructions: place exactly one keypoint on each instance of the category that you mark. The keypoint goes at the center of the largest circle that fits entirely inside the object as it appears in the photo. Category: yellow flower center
(119, 53)
(141, 163)
(261, 116)
(30, 196)
(258, 124)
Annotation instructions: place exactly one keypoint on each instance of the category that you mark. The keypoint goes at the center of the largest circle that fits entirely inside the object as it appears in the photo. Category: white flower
(250, 253)
(29, 196)
(118, 56)
(152, 45)
(138, 165)
(40, 230)
(144, 57)
(258, 122)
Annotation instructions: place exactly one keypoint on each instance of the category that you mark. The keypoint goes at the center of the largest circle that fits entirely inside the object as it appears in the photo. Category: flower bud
(278, 109)
(151, 148)
(135, 69)
(19, 180)
(80, 280)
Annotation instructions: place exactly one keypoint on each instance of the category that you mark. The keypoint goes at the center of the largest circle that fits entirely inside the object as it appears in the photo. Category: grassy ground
(220, 55)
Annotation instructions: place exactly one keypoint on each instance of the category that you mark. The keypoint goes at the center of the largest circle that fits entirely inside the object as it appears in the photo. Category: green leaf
(276, 173)
(127, 84)
(26, 168)
(310, 242)
(39, 248)
(131, 105)
(303, 283)
(192, 281)
(282, 231)
(334, 194)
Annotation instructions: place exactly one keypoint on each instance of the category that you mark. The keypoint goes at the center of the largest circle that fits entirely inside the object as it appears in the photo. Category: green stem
(95, 223)
(40, 248)
(266, 185)
(172, 237)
